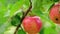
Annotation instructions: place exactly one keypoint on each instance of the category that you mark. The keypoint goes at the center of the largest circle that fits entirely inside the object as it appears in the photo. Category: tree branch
(29, 9)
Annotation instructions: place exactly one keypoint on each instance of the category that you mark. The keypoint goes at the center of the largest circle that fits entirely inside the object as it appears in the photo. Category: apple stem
(29, 9)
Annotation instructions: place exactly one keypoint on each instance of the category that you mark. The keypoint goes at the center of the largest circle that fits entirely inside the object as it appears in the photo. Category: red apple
(55, 13)
(32, 25)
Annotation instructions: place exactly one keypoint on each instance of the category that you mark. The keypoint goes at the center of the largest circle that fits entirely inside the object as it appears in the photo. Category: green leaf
(15, 7)
(16, 19)
(3, 11)
(42, 31)
(50, 30)
(55, 0)
(26, 4)
(21, 31)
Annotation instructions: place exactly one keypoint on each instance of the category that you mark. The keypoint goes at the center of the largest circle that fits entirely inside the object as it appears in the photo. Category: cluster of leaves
(11, 13)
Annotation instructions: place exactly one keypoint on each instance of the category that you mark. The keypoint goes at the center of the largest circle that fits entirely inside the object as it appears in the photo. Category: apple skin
(32, 25)
(55, 13)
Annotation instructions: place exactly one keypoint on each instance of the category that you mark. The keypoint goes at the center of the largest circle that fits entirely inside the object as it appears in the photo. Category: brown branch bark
(29, 9)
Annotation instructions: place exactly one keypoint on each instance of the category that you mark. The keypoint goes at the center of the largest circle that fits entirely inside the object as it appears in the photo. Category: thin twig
(29, 9)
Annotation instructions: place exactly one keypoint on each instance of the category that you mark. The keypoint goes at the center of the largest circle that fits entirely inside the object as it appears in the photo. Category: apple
(55, 13)
(32, 24)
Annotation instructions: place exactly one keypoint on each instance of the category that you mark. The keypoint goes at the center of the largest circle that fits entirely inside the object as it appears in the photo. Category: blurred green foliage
(10, 15)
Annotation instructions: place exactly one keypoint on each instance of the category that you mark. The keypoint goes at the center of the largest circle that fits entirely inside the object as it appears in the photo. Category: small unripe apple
(55, 13)
(32, 25)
